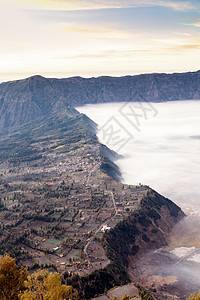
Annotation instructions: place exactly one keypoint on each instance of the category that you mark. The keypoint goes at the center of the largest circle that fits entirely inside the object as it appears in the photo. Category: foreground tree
(11, 278)
(44, 286)
(194, 297)
(125, 297)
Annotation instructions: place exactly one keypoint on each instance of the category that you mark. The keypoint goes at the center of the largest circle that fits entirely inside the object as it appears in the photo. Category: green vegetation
(31, 141)
(99, 281)
(143, 293)
(129, 236)
(117, 241)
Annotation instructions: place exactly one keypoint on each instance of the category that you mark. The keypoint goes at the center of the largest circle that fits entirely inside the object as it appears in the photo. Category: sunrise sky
(62, 38)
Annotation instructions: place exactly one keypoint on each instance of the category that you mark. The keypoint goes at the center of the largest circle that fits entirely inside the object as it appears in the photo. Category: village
(58, 207)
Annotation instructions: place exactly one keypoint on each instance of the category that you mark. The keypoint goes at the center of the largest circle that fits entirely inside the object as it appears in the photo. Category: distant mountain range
(28, 100)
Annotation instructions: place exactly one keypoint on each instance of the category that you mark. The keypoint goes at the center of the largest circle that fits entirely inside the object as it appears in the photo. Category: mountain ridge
(28, 99)
(57, 182)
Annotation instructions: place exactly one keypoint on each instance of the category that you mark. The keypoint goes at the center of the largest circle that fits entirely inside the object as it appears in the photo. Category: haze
(92, 38)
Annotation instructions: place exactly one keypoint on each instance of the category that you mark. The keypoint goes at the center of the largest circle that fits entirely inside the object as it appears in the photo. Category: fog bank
(160, 143)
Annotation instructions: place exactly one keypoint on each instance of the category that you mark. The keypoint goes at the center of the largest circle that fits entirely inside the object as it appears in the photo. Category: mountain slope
(58, 192)
(29, 142)
(25, 100)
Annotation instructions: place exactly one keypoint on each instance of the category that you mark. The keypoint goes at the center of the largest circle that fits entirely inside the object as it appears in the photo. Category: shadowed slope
(25, 100)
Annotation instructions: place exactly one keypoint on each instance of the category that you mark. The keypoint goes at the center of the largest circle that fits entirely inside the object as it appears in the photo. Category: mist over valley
(164, 154)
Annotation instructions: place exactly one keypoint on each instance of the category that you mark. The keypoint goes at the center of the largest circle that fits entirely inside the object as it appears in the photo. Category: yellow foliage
(61, 146)
(125, 297)
(44, 286)
(11, 278)
(194, 297)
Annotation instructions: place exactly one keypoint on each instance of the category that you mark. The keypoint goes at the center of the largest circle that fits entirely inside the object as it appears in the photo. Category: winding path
(100, 227)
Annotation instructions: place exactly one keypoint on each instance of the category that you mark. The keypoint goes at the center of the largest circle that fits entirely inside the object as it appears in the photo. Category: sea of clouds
(160, 144)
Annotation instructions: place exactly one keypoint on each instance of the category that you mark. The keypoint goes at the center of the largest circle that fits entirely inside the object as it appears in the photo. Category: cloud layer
(165, 153)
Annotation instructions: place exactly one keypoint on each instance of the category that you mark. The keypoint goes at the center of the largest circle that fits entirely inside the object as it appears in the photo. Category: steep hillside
(25, 100)
(145, 229)
(58, 197)
(32, 140)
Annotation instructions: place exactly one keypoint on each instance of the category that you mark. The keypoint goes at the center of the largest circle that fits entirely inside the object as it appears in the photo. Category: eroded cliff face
(146, 229)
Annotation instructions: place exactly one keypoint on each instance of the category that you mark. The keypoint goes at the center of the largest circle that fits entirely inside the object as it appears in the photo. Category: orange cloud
(104, 32)
(194, 24)
(186, 47)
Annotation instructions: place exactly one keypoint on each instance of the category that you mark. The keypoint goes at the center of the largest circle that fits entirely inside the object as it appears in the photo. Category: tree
(11, 278)
(194, 297)
(43, 285)
(125, 297)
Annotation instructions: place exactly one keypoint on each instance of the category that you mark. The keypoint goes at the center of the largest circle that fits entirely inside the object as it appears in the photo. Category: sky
(89, 38)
